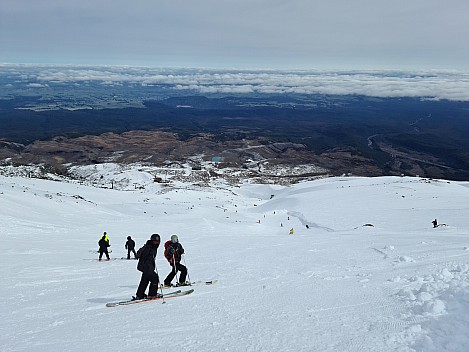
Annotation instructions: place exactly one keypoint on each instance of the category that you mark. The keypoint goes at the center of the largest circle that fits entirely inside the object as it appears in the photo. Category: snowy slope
(370, 273)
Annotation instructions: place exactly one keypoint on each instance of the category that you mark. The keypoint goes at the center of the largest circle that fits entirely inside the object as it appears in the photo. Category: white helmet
(174, 238)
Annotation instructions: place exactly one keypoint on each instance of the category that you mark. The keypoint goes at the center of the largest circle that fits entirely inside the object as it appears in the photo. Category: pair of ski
(136, 301)
(173, 294)
(193, 283)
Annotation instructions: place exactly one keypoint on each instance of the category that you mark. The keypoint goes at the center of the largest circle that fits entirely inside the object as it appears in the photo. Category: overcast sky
(278, 34)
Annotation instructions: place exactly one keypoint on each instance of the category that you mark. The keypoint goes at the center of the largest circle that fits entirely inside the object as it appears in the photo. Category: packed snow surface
(363, 271)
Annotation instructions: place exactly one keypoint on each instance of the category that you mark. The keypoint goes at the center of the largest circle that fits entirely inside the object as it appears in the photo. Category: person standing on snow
(103, 246)
(435, 223)
(173, 252)
(146, 264)
(130, 246)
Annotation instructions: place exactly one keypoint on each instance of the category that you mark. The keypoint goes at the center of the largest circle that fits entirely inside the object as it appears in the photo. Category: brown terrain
(159, 148)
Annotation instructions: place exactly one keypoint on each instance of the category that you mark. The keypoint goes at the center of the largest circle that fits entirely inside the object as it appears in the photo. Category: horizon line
(240, 69)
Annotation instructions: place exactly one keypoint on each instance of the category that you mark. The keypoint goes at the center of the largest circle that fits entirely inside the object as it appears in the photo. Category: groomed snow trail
(370, 273)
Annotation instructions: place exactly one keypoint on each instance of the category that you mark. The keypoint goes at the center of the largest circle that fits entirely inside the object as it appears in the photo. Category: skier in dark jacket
(146, 264)
(173, 251)
(103, 246)
(130, 246)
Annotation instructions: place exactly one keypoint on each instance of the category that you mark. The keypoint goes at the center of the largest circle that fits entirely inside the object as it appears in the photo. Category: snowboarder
(291, 231)
(130, 246)
(435, 223)
(146, 264)
(173, 251)
(103, 246)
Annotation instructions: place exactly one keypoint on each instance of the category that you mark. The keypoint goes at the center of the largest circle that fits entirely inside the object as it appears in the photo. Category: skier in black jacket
(146, 264)
(130, 246)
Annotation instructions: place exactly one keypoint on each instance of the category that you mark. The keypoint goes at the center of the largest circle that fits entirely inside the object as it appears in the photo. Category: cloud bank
(451, 85)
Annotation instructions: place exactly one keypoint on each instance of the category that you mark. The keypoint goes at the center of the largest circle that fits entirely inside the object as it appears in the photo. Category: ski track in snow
(398, 285)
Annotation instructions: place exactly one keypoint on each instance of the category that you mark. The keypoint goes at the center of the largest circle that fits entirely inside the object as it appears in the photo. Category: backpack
(140, 264)
(140, 251)
(102, 243)
(168, 253)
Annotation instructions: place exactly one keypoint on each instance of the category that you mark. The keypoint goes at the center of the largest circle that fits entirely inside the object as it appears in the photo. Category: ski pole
(161, 286)
(174, 266)
(184, 258)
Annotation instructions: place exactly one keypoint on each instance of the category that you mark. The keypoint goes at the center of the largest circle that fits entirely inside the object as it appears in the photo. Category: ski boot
(185, 283)
(158, 295)
(137, 298)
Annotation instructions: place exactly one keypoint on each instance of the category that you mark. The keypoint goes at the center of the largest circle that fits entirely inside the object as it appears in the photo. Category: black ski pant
(133, 251)
(101, 251)
(148, 277)
(178, 267)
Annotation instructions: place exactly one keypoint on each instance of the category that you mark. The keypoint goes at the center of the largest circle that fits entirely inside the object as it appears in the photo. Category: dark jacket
(103, 244)
(173, 251)
(147, 256)
(130, 244)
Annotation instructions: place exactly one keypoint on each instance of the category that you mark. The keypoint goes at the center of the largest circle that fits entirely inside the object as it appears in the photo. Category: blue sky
(278, 34)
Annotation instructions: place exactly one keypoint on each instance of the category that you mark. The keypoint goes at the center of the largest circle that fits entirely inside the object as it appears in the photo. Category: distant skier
(103, 246)
(146, 264)
(173, 252)
(435, 223)
(130, 246)
(291, 231)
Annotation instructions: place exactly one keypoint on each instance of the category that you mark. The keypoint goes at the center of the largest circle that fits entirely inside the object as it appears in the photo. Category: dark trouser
(133, 251)
(148, 277)
(182, 277)
(101, 251)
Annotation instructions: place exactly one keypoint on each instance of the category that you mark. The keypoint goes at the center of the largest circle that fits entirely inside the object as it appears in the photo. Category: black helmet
(155, 237)
(128, 237)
